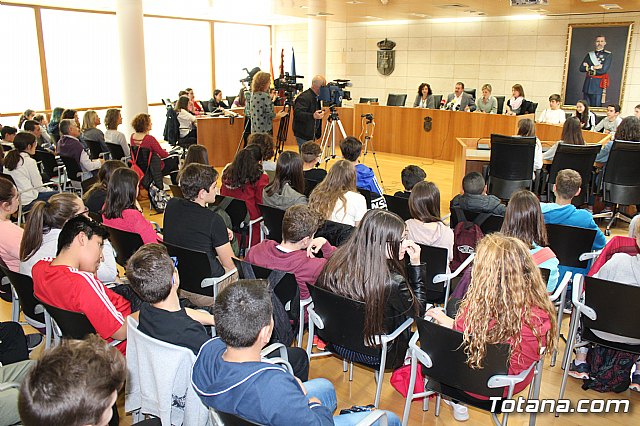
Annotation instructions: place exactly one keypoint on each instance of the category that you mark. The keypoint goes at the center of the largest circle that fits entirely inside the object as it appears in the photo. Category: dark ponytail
(21, 142)
(43, 217)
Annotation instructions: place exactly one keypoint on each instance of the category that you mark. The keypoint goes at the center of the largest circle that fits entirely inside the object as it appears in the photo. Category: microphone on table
(442, 103)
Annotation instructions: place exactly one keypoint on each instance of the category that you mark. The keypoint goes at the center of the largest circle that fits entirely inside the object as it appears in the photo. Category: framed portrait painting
(596, 64)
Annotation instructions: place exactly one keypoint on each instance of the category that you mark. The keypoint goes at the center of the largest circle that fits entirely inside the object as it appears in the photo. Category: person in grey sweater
(475, 198)
(424, 98)
(287, 188)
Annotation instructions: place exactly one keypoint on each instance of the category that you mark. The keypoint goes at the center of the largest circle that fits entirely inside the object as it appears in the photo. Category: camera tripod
(329, 134)
(368, 126)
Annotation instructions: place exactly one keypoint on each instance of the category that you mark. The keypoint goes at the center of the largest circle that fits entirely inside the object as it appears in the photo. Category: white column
(317, 48)
(133, 73)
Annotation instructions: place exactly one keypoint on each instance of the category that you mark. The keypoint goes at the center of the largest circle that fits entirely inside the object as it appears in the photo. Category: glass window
(83, 59)
(240, 46)
(21, 82)
(178, 55)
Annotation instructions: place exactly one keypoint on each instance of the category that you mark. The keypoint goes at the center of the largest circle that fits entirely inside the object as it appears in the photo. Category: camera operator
(307, 114)
(261, 105)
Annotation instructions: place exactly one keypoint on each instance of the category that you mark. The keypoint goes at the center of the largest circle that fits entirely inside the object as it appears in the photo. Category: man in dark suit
(459, 100)
(307, 115)
(596, 65)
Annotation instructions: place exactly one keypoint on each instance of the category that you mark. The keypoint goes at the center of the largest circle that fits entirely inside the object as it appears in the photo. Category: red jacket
(252, 196)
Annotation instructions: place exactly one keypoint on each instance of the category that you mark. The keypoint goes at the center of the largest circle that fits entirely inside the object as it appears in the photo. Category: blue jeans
(324, 391)
(300, 142)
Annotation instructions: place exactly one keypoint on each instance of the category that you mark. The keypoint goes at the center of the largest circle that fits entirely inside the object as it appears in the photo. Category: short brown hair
(299, 222)
(72, 383)
(519, 88)
(140, 122)
(265, 142)
(111, 119)
(150, 273)
(555, 97)
(568, 183)
(260, 82)
(310, 150)
(196, 177)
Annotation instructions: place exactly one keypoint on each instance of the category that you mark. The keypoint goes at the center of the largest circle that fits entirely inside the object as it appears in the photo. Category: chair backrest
(272, 219)
(492, 224)
(343, 321)
(398, 205)
(533, 108)
(436, 260)
(94, 149)
(309, 185)
(286, 290)
(74, 172)
(569, 242)
(125, 244)
(396, 99)
(336, 233)
(575, 157)
(367, 196)
(176, 191)
(142, 156)
(437, 99)
(88, 183)
(23, 285)
(500, 100)
(48, 161)
(366, 100)
(599, 118)
(220, 418)
(444, 347)
(545, 274)
(511, 164)
(613, 304)
(193, 267)
(235, 208)
(73, 325)
(471, 92)
(230, 100)
(117, 153)
(621, 178)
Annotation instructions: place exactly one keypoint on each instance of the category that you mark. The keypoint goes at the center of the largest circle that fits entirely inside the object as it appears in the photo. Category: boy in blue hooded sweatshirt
(351, 149)
(562, 212)
(229, 375)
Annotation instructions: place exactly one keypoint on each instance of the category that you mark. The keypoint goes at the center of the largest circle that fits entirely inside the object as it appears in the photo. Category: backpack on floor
(466, 235)
(610, 369)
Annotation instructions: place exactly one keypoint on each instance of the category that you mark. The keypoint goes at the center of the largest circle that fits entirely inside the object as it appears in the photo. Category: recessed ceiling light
(419, 15)
(304, 7)
(311, 14)
(325, 14)
(611, 6)
(355, 2)
(371, 17)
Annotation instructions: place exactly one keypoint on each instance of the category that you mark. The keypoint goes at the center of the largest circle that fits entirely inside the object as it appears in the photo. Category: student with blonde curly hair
(507, 302)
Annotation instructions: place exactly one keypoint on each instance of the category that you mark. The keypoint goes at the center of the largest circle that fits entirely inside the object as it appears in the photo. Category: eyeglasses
(175, 261)
(84, 212)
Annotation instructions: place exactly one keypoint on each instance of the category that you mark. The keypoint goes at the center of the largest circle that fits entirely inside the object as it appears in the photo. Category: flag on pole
(293, 62)
(271, 66)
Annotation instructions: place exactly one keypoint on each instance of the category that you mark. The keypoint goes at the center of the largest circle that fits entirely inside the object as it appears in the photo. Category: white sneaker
(460, 411)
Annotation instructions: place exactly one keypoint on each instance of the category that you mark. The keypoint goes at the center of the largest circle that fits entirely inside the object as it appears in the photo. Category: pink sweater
(306, 270)
(10, 244)
(133, 221)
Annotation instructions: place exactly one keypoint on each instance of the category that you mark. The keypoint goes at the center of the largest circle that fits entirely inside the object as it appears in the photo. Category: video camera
(288, 83)
(333, 93)
(250, 75)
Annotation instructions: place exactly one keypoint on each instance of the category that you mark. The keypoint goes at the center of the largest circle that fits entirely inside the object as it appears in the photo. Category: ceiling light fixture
(611, 6)
(456, 20)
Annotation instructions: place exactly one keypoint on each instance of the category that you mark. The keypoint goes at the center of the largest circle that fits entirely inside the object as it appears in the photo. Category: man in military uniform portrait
(596, 66)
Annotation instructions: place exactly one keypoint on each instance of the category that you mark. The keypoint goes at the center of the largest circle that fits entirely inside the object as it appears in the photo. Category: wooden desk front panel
(553, 132)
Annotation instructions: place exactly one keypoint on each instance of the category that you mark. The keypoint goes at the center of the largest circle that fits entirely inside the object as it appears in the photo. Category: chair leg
(48, 330)
(351, 371)
(563, 298)
(425, 401)
(345, 366)
(571, 341)
(412, 384)
(15, 307)
(383, 361)
(301, 327)
(438, 398)
(572, 325)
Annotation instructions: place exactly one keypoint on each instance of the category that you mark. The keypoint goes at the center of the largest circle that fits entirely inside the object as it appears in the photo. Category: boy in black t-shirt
(410, 176)
(311, 152)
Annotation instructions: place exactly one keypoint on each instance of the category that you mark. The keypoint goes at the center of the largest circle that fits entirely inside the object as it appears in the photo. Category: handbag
(400, 380)
(134, 164)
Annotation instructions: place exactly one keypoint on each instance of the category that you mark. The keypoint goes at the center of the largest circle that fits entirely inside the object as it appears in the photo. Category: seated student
(336, 197)
(69, 282)
(587, 118)
(95, 197)
(636, 111)
(351, 149)
(163, 315)
(32, 126)
(93, 373)
(553, 115)
(142, 125)
(14, 368)
(571, 134)
(190, 224)
(610, 123)
(11, 233)
(517, 104)
(8, 133)
(46, 140)
(523, 220)
(628, 130)
(187, 120)
(622, 268)
(311, 153)
(296, 253)
(121, 209)
(506, 281)
(527, 128)
(474, 197)
(562, 212)
(287, 187)
(42, 232)
(425, 227)
(25, 173)
(410, 176)
(216, 101)
(112, 119)
(265, 142)
(90, 131)
(229, 375)
(70, 146)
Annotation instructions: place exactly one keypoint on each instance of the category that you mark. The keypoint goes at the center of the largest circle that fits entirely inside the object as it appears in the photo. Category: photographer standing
(261, 105)
(307, 115)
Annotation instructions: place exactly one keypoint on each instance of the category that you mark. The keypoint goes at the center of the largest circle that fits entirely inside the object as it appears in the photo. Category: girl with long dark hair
(571, 134)
(287, 188)
(95, 197)
(11, 233)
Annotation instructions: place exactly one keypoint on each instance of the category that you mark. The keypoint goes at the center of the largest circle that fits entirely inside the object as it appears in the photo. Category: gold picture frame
(580, 41)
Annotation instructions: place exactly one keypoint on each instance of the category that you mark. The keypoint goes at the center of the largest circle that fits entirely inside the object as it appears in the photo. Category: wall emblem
(386, 57)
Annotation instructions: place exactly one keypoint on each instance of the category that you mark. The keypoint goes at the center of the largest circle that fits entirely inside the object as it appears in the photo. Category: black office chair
(575, 157)
(367, 196)
(336, 233)
(196, 270)
(272, 220)
(116, 151)
(153, 421)
(436, 260)
(398, 205)
(176, 191)
(443, 361)
(491, 223)
(220, 418)
(500, 100)
(437, 99)
(124, 243)
(74, 172)
(88, 183)
(309, 185)
(237, 211)
(510, 165)
(367, 100)
(50, 166)
(23, 299)
(339, 321)
(599, 118)
(608, 307)
(621, 180)
(230, 100)
(471, 92)
(95, 150)
(570, 244)
(71, 325)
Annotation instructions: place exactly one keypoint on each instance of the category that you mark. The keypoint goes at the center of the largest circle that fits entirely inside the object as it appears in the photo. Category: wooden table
(222, 138)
